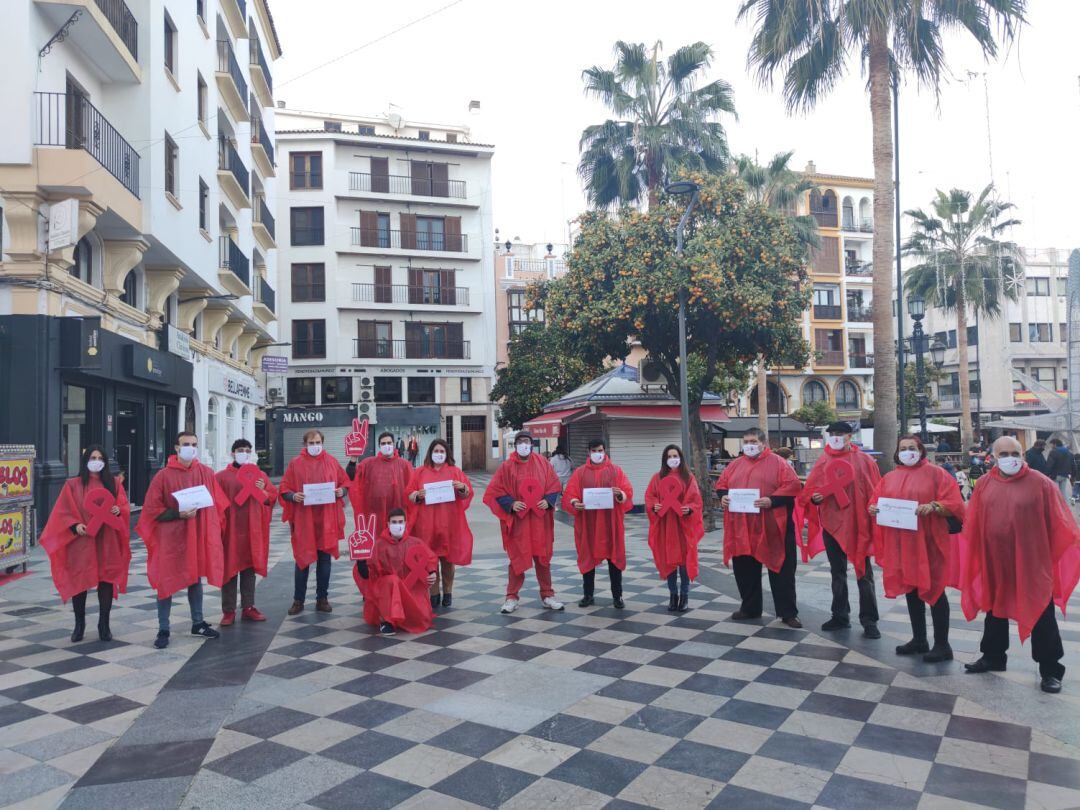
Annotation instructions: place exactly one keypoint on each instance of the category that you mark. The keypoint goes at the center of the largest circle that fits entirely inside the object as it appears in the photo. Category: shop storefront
(231, 398)
(286, 427)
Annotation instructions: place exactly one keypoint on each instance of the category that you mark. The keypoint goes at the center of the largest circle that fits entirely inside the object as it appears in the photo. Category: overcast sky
(523, 62)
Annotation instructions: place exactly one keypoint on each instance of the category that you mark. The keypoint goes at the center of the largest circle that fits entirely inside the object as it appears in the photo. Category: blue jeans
(683, 588)
(322, 579)
(194, 598)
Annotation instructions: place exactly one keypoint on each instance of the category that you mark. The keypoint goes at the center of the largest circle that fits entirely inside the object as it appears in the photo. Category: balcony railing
(532, 269)
(264, 294)
(826, 219)
(861, 360)
(858, 269)
(866, 225)
(263, 216)
(123, 23)
(403, 184)
(830, 358)
(259, 136)
(258, 60)
(71, 121)
(859, 314)
(410, 240)
(404, 294)
(229, 161)
(827, 311)
(227, 64)
(411, 349)
(233, 260)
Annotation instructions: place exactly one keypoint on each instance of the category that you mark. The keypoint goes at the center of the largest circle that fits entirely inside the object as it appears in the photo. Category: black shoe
(618, 603)
(913, 647)
(205, 630)
(793, 621)
(386, 629)
(940, 652)
(162, 640)
(436, 600)
(103, 631)
(983, 665)
(79, 631)
(447, 600)
(742, 615)
(585, 601)
(871, 631)
(1051, 684)
(836, 623)
(684, 604)
(673, 603)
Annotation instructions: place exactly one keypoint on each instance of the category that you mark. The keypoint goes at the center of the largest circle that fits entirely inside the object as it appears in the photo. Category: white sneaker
(509, 606)
(551, 603)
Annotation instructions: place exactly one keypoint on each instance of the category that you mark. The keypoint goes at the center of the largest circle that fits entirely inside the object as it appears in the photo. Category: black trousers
(939, 613)
(1045, 642)
(747, 572)
(838, 566)
(588, 580)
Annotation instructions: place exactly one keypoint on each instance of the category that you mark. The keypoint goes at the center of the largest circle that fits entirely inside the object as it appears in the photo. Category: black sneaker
(162, 640)
(387, 629)
(870, 630)
(447, 600)
(618, 603)
(585, 601)
(836, 624)
(205, 630)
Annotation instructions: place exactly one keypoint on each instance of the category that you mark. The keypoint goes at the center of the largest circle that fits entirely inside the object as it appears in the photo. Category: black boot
(684, 603)
(78, 604)
(939, 613)
(105, 597)
(436, 600)
(588, 585)
(615, 576)
(917, 614)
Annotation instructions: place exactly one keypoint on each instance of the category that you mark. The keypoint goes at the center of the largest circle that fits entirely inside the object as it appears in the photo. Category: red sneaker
(227, 618)
(253, 614)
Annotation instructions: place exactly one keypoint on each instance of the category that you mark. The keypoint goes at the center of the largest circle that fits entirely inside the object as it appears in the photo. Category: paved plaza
(581, 708)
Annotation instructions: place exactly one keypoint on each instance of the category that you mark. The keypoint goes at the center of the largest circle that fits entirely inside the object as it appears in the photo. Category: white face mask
(241, 457)
(314, 449)
(188, 453)
(751, 449)
(386, 449)
(523, 450)
(597, 457)
(909, 458)
(835, 442)
(438, 458)
(1010, 465)
(674, 462)
(397, 530)
(95, 465)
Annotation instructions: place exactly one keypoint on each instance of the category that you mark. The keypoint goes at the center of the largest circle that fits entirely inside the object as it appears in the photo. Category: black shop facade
(71, 383)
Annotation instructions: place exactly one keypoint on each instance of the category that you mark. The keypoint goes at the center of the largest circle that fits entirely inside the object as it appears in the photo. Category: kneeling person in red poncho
(395, 581)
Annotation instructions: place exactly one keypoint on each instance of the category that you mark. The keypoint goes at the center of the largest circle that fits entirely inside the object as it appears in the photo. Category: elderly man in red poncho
(765, 537)
(183, 541)
(599, 533)
(522, 495)
(836, 500)
(1021, 556)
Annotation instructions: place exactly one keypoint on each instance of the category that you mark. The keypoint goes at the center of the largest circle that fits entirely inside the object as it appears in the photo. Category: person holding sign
(759, 530)
(912, 506)
(597, 495)
(396, 578)
(522, 495)
(380, 483)
(317, 523)
(87, 540)
(674, 506)
(181, 525)
(1021, 556)
(246, 537)
(439, 493)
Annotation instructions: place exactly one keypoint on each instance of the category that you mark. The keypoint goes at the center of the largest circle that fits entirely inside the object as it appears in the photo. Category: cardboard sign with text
(16, 478)
(362, 541)
(356, 441)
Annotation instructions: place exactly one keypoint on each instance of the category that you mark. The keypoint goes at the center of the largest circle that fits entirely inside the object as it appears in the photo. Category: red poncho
(530, 533)
(180, 552)
(760, 535)
(1020, 549)
(247, 523)
(314, 528)
(598, 533)
(79, 563)
(673, 536)
(380, 485)
(926, 560)
(396, 589)
(849, 523)
(442, 526)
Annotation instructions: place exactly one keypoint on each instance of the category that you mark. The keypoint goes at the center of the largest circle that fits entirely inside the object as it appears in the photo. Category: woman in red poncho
(673, 504)
(920, 564)
(317, 529)
(442, 526)
(396, 579)
(380, 483)
(87, 540)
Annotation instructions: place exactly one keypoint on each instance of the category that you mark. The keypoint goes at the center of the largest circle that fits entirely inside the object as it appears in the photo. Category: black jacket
(1059, 463)
(1037, 461)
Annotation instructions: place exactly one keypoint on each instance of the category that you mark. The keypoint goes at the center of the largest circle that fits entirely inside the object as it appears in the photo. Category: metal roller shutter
(635, 445)
(578, 436)
(293, 438)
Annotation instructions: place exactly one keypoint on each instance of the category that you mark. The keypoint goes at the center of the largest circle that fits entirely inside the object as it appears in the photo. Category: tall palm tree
(662, 122)
(961, 264)
(808, 42)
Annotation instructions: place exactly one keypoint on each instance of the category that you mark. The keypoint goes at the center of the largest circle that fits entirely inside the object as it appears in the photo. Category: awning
(548, 425)
(709, 413)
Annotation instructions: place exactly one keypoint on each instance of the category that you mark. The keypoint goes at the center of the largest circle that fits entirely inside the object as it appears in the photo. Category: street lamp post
(917, 310)
(679, 188)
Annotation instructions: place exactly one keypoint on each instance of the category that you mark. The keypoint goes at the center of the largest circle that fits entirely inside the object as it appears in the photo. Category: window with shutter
(369, 229)
(380, 174)
(440, 179)
(453, 239)
(384, 291)
(416, 286)
(421, 177)
(455, 343)
(408, 231)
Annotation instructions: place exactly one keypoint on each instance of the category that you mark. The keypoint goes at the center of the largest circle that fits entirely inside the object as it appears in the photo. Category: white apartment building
(387, 280)
(143, 127)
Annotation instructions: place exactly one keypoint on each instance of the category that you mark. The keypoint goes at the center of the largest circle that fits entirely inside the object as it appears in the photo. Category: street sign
(275, 365)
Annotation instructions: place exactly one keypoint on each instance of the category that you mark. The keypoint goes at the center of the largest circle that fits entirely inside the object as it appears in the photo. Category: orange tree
(744, 269)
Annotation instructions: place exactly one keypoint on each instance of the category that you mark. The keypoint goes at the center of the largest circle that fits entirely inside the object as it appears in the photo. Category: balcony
(827, 312)
(410, 240)
(824, 219)
(233, 175)
(234, 268)
(107, 34)
(860, 361)
(831, 359)
(859, 313)
(382, 349)
(859, 269)
(230, 80)
(263, 301)
(404, 294)
(262, 146)
(262, 225)
(235, 12)
(409, 186)
(261, 80)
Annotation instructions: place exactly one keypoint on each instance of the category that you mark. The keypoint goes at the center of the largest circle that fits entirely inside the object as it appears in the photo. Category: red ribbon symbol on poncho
(362, 541)
(838, 474)
(416, 560)
(356, 442)
(98, 503)
(532, 491)
(248, 475)
(671, 490)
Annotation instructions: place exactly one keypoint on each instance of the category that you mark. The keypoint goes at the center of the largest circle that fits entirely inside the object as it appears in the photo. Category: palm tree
(961, 264)
(662, 122)
(808, 43)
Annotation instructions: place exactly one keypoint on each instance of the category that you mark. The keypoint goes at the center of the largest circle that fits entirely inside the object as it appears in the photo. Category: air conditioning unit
(649, 376)
(274, 394)
(366, 410)
(365, 399)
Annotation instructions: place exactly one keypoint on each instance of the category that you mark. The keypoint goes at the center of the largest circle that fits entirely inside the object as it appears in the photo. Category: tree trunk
(762, 395)
(701, 463)
(962, 357)
(885, 419)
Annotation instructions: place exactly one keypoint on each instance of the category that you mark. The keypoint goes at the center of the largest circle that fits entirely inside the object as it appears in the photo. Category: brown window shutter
(408, 230)
(421, 177)
(365, 333)
(448, 293)
(416, 285)
(380, 174)
(455, 344)
(440, 180)
(369, 228)
(452, 230)
(383, 286)
(413, 339)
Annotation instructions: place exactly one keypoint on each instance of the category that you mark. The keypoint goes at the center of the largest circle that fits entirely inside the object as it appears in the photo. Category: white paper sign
(438, 492)
(319, 494)
(897, 513)
(193, 498)
(598, 497)
(742, 500)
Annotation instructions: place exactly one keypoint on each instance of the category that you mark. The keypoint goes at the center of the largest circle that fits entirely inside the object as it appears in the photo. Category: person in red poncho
(598, 533)
(183, 546)
(522, 495)
(87, 540)
(836, 498)
(763, 538)
(1020, 557)
(396, 579)
(920, 564)
(247, 531)
(674, 506)
(380, 482)
(317, 529)
(443, 526)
